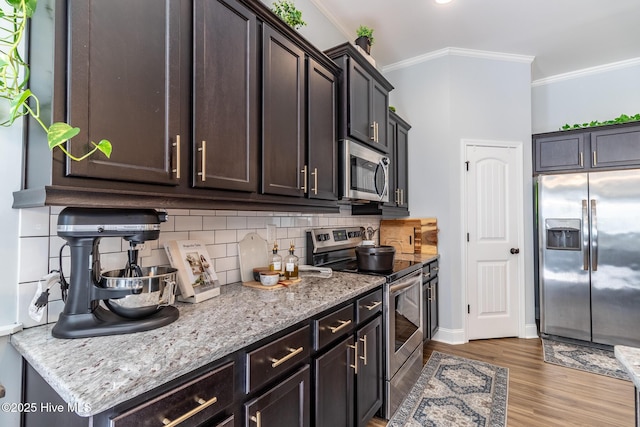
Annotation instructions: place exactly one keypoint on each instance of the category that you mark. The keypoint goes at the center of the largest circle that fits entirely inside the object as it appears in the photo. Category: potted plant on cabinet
(14, 78)
(288, 12)
(364, 38)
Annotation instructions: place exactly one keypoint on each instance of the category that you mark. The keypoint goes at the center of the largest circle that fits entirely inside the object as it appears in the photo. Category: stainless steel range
(402, 307)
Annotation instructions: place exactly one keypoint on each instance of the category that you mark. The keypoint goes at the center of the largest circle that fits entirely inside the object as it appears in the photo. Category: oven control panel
(325, 239)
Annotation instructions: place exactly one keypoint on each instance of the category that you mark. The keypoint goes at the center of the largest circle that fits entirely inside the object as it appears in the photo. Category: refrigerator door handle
(594, 237)
(585, 236)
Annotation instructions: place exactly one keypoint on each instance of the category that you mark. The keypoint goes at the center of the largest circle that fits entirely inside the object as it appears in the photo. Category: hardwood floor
(542, 394)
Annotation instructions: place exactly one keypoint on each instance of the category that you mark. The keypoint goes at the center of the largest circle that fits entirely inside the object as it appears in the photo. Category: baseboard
(530, 331)
(457, 336)
(450, 336)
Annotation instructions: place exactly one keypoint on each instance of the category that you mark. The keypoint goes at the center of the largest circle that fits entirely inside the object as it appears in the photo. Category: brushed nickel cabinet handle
(343, 324)
(595, 158)
(304, 180)
(257, 418)
(581, 159)
(292, 352)
(203, 161)
(315, 181)
(355, 358)
(364, 352)
(203, 404)
(176, 144)
(377, 133)
(372, 306)
(372, 134)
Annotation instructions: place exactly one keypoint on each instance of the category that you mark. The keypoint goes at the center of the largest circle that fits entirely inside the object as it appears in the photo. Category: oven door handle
(399, 287)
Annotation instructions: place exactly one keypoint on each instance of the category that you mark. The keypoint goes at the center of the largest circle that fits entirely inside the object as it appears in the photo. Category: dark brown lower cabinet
(348, 379)
(334, 385)
(284, 405)
(369, 375)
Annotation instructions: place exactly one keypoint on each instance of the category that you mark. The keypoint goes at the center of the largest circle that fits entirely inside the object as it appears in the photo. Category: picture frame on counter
(197, 280)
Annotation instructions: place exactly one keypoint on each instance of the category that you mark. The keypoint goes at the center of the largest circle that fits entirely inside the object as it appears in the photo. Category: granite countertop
(629, 358)
(101, 372)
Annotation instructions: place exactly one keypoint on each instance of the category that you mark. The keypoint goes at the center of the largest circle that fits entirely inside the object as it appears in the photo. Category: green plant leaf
(29, 7)
(59, 132)
(16, 105)
(105, 147)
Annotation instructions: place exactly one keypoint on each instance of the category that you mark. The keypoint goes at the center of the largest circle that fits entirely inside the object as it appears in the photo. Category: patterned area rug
(590, 359)
(454, 391)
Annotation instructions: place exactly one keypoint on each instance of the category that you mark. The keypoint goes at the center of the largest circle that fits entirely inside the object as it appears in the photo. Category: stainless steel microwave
(365, 173)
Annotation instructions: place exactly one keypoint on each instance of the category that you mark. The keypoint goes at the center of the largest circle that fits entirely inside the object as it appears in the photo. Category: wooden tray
(281, 284)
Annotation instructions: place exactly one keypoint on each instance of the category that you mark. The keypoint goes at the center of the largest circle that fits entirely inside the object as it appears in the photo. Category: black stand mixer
(83, 316)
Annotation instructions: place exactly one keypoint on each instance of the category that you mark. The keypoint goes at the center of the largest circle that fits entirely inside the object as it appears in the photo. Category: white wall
(448, 99)
(601, 94)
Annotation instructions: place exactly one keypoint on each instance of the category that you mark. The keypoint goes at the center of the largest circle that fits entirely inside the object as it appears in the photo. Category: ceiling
(562, 35)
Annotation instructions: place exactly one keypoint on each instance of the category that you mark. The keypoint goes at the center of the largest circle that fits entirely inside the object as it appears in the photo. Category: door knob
(515, 251)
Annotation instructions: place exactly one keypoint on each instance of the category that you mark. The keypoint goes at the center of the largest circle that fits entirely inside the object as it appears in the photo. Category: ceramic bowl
(269, 278)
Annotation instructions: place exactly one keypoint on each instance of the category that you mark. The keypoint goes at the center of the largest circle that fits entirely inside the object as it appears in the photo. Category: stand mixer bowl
(152, 291)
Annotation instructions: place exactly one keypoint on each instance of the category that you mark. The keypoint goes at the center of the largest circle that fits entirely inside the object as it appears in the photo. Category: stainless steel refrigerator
(589, 256)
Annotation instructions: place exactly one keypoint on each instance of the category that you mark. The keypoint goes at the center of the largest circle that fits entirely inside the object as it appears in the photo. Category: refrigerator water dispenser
(563, 234)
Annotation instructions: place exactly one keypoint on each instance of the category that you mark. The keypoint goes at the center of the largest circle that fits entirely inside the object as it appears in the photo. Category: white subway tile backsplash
(33, 258)
(225, 236)
(237, 222)
(206, 237)
(219, 230)
(188, 223)
(34, 222)
(54, 308)
(214, 223)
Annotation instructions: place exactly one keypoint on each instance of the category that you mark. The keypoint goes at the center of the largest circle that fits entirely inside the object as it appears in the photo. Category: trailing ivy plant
(14, 76)
(288, 12)
(621, 119)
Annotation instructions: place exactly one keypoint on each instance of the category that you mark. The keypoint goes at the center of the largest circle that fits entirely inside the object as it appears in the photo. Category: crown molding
(587, 72)
(456, 51)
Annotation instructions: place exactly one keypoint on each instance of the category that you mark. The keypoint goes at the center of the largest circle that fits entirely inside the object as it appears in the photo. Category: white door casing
(492, 203)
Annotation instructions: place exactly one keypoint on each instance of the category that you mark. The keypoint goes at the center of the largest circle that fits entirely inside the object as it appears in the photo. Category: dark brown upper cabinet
(588, 149)
(322, 171)
(125, 85)
(364, 98)
(283, 118)
(400, 149)
(204, 101)
(225, 98)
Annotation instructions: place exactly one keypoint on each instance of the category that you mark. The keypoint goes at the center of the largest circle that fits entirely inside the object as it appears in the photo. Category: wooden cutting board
(253, 252)
(410, 236)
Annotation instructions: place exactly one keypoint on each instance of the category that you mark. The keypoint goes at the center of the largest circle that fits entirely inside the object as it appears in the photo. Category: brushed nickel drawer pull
(372, 306)
(355, 358)
(203, 161)
(257, 419)
(293, 352)
(364, 346)
(343, 324)
(204, 404)
(176, 170)
(304, 180)
(315, 181)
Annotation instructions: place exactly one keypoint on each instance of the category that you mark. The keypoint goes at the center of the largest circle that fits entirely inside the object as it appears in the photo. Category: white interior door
(493, 194)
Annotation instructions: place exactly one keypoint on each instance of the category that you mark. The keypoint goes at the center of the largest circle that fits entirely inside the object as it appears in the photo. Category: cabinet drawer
(275, 358)
(188, 405)
(332, 326)
(369, 306)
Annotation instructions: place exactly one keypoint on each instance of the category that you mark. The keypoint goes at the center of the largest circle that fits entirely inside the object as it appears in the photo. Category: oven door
(365, 173)
(404, 322)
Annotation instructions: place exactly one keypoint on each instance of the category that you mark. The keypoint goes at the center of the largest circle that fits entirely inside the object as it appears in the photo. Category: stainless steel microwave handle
(594, 237)
(382, 165)
(585, 236)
